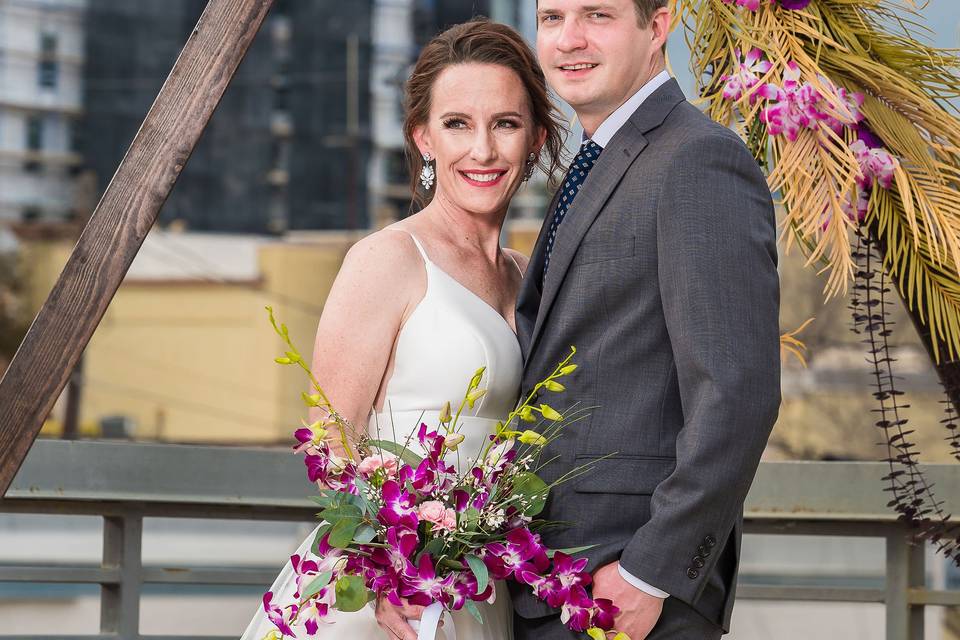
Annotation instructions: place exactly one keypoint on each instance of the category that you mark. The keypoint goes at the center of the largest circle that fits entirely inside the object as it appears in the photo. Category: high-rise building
(41, 61)
(285, 147)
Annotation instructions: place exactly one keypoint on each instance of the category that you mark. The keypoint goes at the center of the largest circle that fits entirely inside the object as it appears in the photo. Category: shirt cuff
(648, 589)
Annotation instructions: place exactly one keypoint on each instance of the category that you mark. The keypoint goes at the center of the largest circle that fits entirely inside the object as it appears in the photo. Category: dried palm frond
(841, 47)
(790, 345)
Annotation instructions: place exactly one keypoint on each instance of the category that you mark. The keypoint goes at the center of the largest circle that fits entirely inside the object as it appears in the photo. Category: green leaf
(364, 534)
(530, 486)
(403, 452)
(342, 533)
(351, 594)
(470, 519)
(569, 550)
(361, 500)
(336, 513)
(471, 606)
(315, 585)
(479, 571)
(434, 548)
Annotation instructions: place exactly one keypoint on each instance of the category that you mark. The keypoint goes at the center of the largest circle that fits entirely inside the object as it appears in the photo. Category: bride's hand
(393, 619)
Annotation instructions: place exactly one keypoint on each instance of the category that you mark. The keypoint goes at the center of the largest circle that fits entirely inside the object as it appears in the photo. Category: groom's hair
(479, 41)
(646, 8)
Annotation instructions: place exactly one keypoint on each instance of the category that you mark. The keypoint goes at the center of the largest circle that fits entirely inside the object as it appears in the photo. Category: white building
(41, 67)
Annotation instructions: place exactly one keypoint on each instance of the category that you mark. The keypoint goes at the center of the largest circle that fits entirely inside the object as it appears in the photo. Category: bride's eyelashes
(460, 123)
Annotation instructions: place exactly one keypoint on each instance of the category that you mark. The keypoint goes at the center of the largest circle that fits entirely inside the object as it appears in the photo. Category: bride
(418, 306)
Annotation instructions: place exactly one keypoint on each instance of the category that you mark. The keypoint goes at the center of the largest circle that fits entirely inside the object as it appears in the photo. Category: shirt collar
(618, 118)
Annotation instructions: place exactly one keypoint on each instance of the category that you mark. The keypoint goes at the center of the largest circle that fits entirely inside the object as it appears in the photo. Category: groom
(657, 260)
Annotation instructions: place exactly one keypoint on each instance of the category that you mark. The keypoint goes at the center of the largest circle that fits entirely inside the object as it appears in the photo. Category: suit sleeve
(717, 273)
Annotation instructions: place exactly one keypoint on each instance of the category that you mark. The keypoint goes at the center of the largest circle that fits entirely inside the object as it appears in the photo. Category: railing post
(120, 603)
(905, 570)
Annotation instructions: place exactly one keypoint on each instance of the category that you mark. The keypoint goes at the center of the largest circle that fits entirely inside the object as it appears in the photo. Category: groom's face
(595, 54)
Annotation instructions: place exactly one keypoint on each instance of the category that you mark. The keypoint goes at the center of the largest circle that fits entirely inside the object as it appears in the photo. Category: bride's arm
(378, 283)
(382, 279)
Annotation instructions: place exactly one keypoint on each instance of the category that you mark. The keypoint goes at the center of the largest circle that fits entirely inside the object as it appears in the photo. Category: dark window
(47, 68)
(34, 133)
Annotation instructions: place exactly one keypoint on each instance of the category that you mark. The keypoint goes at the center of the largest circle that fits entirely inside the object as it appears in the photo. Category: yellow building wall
(193, 361)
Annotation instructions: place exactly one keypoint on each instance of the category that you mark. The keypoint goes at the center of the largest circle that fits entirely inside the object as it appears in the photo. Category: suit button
(710, 541)
(692, 573)
(703, 551)
(698, 562)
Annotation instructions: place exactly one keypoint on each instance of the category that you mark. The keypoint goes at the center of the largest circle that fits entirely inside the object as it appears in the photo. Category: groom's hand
(639, 611)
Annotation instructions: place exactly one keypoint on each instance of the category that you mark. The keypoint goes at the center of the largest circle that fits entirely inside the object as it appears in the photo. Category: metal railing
(124, 483)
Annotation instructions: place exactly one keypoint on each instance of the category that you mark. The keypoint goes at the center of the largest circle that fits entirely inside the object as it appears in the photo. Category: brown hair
(484, 42)
(645, 10)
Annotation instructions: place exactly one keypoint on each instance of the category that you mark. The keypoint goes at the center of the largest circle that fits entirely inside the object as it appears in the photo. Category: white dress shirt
(602, 137)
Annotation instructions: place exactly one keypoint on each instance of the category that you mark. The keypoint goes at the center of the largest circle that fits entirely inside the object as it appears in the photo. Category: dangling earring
(427, 173)
(531, 160)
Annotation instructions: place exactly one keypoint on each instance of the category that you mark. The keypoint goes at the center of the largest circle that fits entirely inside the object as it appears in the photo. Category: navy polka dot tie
(589, 152)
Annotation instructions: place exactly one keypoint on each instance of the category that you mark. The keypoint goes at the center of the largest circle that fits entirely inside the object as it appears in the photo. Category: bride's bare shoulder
(386, 254)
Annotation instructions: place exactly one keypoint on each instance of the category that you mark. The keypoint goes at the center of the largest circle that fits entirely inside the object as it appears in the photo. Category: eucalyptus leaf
(348, 512)
(403, 452)
(364, 534)
(316, 584)
(342, 533)
(351, 594)
(479, 571)
(471, 606)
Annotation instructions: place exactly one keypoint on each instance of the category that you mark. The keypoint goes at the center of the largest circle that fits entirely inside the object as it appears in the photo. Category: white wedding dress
(450, 334)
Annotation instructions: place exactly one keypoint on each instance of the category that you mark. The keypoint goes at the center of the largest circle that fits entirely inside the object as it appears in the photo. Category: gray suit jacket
(664, 276)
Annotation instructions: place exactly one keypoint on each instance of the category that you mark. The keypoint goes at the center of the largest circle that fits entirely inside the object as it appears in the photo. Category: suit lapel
(600, 184)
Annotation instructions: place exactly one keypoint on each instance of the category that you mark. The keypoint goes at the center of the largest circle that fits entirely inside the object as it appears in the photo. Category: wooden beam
(118, 226)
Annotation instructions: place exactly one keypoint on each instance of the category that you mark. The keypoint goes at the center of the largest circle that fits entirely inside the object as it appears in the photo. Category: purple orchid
(280, 619)
(746, 75)
(305, 571)
(421, 585)
(876, 165)
(521, 552)
(401, 543)
(398, 507)
(431, 442)
(460, 500)
(567, 573)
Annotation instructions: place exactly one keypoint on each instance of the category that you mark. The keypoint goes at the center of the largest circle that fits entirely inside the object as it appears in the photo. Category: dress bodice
(449, 335)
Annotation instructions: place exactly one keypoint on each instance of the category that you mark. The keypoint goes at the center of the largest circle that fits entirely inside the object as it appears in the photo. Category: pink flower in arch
(746, 75)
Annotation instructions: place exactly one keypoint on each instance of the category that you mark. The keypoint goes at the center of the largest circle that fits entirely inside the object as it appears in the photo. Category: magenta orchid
(747, 75)
(398, 507)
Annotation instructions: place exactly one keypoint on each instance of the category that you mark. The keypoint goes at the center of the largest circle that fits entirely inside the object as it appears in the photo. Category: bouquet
(400, 521)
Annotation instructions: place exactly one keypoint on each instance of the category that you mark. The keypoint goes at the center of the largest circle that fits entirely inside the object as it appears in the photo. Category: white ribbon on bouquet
(427, 627)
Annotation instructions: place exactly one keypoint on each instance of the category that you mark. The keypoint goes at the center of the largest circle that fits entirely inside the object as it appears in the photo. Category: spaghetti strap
(515, 263)
(423, 253)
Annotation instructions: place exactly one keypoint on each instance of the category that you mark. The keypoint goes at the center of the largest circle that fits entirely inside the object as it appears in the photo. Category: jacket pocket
(629, 474)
